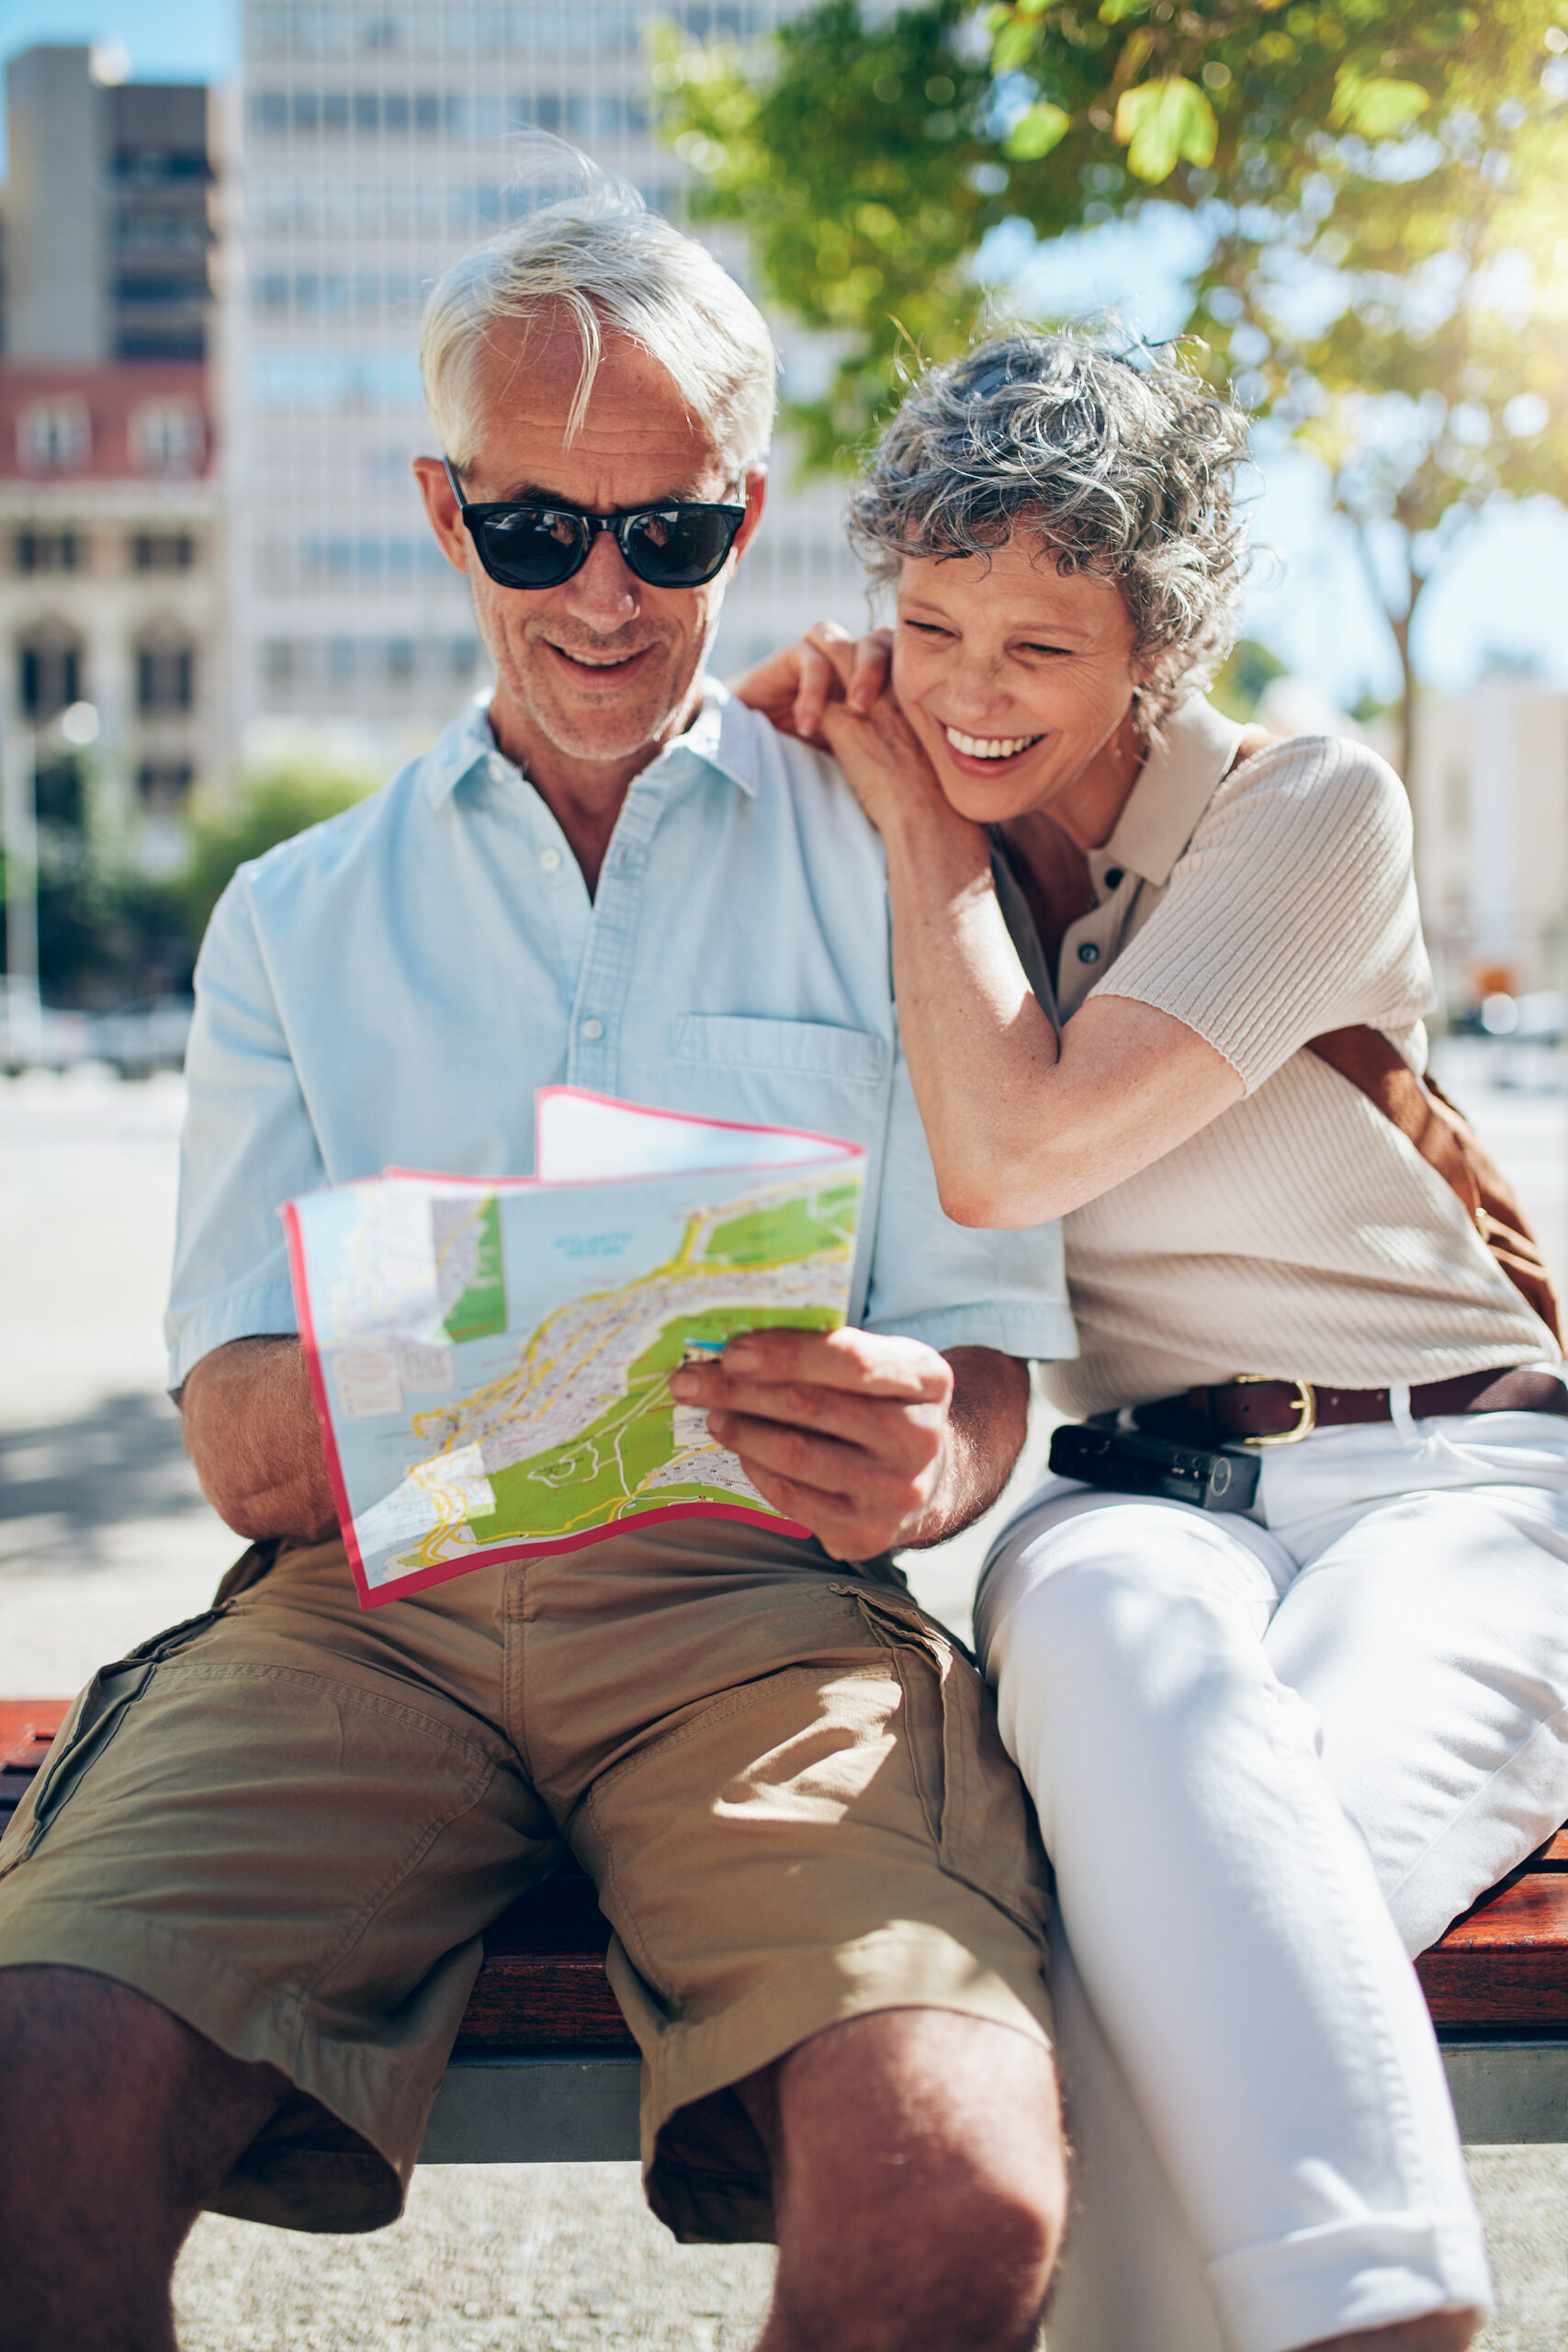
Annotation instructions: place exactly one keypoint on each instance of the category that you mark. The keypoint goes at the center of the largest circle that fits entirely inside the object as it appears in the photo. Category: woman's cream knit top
(1299, 1235)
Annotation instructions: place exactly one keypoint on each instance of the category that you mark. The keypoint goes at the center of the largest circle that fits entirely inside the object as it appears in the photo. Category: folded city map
(492, 1356)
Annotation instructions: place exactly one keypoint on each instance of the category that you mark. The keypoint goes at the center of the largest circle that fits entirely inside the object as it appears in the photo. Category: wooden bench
(544, 2070)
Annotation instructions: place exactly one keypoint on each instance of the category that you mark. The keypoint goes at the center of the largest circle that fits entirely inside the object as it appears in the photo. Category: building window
(50, 679)
(400, 658)
(161, 551)
(340, 660)
(464, 654)
(48, 551)
(277, 662)
(163, 786)
(168, 436)
(54, 435)
(165, 679)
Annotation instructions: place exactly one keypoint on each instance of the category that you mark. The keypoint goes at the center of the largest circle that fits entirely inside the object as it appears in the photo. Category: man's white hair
(600, 256)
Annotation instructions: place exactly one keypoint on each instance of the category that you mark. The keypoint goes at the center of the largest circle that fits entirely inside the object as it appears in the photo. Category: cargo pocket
(88, 1729)
(978, 1810)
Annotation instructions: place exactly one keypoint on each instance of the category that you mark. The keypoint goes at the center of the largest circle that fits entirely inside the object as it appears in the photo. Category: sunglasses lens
(679, 546)
(530, 547)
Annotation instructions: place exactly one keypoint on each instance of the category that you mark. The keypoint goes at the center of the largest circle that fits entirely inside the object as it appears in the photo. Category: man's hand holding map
(492, 1356)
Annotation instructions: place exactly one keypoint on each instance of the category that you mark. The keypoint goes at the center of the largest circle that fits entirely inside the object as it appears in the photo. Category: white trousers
(1273, 1756)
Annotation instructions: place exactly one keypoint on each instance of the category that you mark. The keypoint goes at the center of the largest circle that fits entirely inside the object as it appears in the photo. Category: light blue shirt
(390, 988)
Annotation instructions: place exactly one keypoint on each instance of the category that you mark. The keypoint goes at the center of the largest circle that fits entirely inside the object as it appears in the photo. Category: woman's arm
(1021, 1126)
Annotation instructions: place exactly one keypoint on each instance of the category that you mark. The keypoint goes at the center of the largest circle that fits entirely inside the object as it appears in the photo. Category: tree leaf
(1375, 106)
(1016, 43)
(1161, 122)
(1036, 131)
(1112, 12)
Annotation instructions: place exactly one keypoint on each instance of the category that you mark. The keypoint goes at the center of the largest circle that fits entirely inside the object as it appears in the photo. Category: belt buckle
(1306, 1405)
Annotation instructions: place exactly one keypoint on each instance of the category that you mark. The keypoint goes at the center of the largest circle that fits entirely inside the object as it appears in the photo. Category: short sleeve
(248, 1145)
(1292, 911)
(957, 1285)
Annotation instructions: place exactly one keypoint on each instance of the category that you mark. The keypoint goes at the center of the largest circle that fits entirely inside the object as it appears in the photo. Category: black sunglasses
(524, 544)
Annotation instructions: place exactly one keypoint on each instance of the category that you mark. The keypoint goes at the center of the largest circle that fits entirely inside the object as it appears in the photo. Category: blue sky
(1505, 594)
(169, 41)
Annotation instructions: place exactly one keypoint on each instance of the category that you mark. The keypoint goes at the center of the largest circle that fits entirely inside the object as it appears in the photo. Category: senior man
(240, 1915)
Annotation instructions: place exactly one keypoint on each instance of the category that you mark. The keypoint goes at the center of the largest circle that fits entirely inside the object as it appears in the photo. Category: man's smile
(604, 665)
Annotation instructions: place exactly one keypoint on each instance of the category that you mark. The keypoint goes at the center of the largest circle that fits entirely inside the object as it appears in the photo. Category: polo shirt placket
(599, 999)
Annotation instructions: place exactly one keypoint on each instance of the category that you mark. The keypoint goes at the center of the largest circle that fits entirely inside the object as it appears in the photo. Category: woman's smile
(989, 756)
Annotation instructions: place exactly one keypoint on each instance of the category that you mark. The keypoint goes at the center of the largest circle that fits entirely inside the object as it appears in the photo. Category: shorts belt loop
(1399, 1411)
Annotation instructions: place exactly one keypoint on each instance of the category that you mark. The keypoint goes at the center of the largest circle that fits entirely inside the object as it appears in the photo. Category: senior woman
(1273, 1753)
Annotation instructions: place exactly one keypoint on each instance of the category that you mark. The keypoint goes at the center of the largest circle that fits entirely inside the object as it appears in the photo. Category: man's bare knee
(123, 2118)
(920, 2185)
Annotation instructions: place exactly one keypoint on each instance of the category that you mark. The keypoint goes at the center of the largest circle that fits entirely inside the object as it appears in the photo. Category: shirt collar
(1192, 750)
(720, 736)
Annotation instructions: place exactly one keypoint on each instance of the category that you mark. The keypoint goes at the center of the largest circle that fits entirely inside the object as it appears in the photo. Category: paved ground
(104, 1537)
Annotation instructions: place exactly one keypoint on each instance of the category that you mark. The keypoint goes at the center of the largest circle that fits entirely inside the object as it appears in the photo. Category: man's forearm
(987, 1422)
(250, 1424)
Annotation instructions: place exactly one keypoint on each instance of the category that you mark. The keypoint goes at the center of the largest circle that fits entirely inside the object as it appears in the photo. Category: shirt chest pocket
(781, 1073)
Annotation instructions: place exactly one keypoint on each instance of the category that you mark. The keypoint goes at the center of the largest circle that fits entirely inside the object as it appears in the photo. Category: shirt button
(1088, 953)
(497, 771)
(592, 1030)
(1113, 878)
(549, 859)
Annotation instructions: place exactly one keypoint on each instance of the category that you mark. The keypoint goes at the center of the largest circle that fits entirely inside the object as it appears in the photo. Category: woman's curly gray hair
(1124, 462)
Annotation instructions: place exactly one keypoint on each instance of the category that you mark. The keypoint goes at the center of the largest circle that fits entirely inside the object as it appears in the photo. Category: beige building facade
(112, 575)
(113, 569)
(1490, 790)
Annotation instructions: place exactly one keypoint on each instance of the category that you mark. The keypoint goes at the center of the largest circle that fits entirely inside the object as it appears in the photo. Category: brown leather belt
(1278, 1412)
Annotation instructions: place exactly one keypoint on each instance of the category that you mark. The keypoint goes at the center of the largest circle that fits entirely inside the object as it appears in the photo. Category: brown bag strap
(1447, 1143)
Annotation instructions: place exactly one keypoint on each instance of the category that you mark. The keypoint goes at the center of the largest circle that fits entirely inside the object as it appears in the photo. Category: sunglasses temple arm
(457, 485)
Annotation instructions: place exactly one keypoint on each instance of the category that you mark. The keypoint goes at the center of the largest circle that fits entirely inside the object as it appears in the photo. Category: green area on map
(632, 1454)
(798, 1229)
(479, 1311)
(593, 1478)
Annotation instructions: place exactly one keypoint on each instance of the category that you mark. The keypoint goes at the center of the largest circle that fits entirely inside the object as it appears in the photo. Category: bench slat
(27, 1726)
(542, 1986)
(1505, 1962)
(523, 2001)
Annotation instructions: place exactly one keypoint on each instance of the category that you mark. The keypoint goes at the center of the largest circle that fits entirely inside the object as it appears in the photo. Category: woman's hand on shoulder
(793, 689)
(887, 767)
(832, 691)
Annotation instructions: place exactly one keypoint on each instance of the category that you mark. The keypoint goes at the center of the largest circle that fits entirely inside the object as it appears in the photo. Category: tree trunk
(1405, 740)
(1399, 629)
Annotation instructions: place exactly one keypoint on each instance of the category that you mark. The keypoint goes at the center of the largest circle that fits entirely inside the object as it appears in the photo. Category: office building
(105, 216)
(380, 139)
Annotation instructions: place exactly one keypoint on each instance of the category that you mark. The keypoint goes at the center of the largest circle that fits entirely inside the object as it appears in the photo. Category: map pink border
(492, 1555)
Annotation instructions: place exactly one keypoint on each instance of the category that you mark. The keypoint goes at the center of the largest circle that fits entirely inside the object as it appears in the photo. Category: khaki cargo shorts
(290, 1820)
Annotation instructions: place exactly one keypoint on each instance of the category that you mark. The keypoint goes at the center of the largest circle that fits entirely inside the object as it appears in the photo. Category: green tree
(1241, 683)
(272, 805)
(1375, 177)
(1417, 346)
